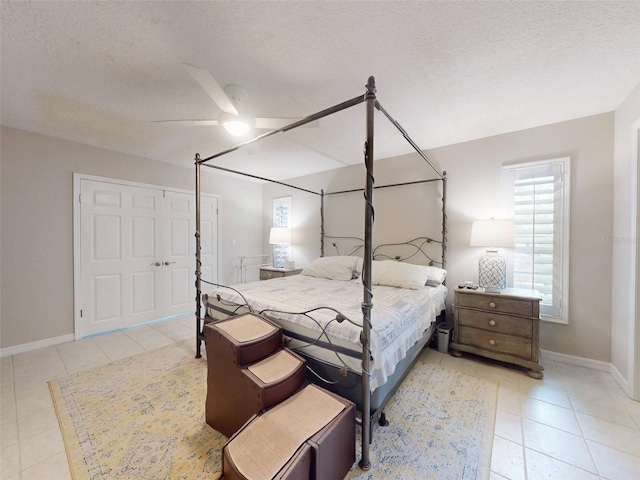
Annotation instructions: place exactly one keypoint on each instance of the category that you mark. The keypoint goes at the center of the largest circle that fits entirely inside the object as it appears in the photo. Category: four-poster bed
(370, 404)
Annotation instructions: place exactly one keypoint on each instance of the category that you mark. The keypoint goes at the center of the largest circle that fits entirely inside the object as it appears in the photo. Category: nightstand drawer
(496, 342)
(494, 303)
(269, 274)
(496, 322)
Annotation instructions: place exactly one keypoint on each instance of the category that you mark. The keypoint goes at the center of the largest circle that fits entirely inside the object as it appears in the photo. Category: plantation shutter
(537, 197)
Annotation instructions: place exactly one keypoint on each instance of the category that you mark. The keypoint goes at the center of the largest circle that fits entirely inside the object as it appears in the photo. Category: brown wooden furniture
(267, 273)
(503, 326)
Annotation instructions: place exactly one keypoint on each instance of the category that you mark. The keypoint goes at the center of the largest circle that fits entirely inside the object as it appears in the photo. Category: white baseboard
(577, 361)
(592, 364)
(28, 347)
(620, 380)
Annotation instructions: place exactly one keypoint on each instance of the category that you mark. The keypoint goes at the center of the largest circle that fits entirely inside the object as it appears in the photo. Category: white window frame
(559, 311)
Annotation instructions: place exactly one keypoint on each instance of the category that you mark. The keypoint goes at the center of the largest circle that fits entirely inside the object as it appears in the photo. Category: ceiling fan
(229, 100)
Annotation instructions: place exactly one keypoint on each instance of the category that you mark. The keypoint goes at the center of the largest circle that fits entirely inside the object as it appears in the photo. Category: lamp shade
(280, 236)
(492, 233)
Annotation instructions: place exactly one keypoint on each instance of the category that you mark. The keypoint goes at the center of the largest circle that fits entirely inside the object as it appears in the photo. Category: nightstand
(503, 326)
(267, 273)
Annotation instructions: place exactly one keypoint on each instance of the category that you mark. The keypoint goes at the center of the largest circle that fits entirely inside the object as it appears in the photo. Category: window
(537, 197)
(281, 219)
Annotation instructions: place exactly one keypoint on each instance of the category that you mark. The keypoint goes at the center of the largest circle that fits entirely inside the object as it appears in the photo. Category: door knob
(168, 263)
(157, 264)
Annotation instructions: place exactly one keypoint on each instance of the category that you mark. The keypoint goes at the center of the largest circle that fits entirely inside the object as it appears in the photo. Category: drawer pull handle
(492, 343)
(492, 304)
(492, 323)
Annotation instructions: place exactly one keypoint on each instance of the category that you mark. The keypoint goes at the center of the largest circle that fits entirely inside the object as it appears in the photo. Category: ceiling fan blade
(272, 123)
(210, 86)
(189, 123)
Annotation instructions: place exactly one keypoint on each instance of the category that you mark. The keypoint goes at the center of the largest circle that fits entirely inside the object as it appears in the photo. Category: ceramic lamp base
(492, 272)
(280, 254)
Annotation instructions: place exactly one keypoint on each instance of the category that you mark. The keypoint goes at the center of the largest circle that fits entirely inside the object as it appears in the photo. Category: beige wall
(36, 242)
(37, 224)
(344, 214)
(626, 339)
(475, 191)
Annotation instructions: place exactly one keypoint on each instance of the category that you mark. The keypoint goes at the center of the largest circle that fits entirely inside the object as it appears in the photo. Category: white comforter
(399, 316)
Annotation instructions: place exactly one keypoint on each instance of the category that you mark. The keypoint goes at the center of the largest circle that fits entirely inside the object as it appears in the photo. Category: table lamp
(492, 268)
(279, 237)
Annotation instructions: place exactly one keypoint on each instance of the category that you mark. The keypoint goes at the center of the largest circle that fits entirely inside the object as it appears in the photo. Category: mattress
(400, 317)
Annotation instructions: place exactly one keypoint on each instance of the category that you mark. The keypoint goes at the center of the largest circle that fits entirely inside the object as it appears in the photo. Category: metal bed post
(198, 261)
(444, 220)
(365, 463)
(322, 223)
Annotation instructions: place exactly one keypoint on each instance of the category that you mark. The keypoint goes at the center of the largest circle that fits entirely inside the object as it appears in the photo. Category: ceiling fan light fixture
(237, 127)
(234, 124)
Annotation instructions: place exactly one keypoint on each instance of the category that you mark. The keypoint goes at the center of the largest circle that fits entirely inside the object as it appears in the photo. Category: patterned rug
(142, 418)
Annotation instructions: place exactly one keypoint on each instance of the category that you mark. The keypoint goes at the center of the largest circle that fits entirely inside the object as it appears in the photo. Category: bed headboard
(421, 250)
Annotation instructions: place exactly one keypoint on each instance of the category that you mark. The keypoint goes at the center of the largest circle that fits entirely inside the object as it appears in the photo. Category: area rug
(142, 418)
(441, 424)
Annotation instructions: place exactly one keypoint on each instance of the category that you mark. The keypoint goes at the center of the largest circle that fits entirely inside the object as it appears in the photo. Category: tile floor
(576, 423)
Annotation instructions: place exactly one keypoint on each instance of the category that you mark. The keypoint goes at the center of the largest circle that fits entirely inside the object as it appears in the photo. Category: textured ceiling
(99, 72)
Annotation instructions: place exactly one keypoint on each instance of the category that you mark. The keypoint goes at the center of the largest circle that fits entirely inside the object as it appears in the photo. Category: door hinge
(80, 313)
(79, 198)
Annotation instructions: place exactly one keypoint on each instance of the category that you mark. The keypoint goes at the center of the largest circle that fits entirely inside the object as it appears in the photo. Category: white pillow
(333, 268)
(398, 274)
(358, 269)
(435, 275)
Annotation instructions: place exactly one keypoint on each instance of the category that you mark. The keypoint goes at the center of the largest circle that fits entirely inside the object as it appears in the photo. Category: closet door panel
(209, 238)
(180, 261)
(179, 209)
(119, 245)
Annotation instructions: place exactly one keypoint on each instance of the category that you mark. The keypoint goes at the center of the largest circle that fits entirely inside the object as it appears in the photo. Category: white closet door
(208, 241)
(179, 260)
(137, 254)
(121, 256)
(179, 257)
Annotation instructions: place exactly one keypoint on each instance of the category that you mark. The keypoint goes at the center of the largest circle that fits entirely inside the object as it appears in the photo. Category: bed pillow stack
(405, 275)
(384, 272)
(334, 268)
(435, 276)
(396, 274)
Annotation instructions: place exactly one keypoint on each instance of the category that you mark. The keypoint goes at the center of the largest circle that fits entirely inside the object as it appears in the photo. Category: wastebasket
(444, 336)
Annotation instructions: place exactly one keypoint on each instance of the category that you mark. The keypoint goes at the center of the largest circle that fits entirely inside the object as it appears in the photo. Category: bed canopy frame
(369, 98)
